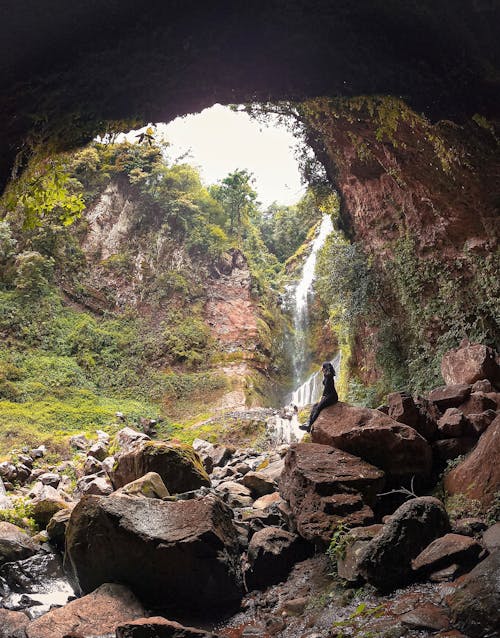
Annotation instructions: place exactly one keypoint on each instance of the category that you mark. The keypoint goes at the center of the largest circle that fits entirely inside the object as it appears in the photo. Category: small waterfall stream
(4, 499)
(284, 428)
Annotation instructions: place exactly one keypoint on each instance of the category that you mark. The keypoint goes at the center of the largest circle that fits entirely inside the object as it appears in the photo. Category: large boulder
(181, 554)
(376, 438)
(15, 544)
(272, 552)
(148, 486)
(12, 624)
(449, 396)
(450, 549)
(478, 476)
(46, 501)
(470, 362)
(158, 627)
(475, 604)
(97, 614)
(178, 465)
(386, 559)
(326, 487)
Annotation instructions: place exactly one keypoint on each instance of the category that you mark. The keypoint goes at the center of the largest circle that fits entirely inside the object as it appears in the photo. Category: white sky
(221, 141)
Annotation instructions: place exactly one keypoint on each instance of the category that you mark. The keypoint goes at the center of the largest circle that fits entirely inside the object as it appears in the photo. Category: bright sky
(221, 140)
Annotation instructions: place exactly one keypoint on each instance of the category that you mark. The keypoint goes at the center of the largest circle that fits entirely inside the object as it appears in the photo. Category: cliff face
(423, 202)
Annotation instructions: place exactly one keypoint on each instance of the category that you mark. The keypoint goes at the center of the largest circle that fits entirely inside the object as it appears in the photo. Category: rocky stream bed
(355, 532)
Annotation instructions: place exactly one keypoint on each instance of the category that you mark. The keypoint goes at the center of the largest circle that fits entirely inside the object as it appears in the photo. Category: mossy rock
(178, 465)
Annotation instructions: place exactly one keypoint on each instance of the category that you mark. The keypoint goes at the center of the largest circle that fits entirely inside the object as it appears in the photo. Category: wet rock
(386, 559)
(96, 614)
(491, 538)
(178, 465)
(475, 604)
(259, 484)
(449, 396)
(376, 438)
(181, 554)
(448, 550)
(15, 544)
(428, 616)
(349, 559)
(56, 529)
(12, 624)
(325, 486)
(97, 485)
(453, 424)
(470, 362)
(150, 486)
(449, 449)
(158, 627)
(478, 476)
(272, 552)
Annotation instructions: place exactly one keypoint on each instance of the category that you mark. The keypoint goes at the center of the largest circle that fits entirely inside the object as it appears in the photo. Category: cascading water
(301, 303)
(284, 428)
(4, 499)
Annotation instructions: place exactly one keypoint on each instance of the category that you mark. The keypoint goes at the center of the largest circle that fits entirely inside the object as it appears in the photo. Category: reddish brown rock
(478, 476)
(158, 627)
(12, 624)
(96, 614)
(357, 539)
(470, 362)
(428, 616)
(475, 603)
(175, 554)
(491, 538)
(449, 396)
(480, 422)
(386, 559)
(478, 402)
(445, 551)
(15, 544)
(326, 486)
(259, 484)
(448, 449)
(272, 552)
(402, 408)
(453, 424)
(178, 465)
(376, 438)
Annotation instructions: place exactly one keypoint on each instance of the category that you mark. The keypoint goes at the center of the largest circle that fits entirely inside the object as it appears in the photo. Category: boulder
(449, 396)
(266, 501)
(179, 466)
(376, 438)
(453, 424)
(96, 614)
(50, 478)
(127, 439)
(448, 550)
(470, 362)
(448, 449)
(92, 466)
(176, 554)
(259, 483)
(235, 494)
(46, 501)
(12, 624)
(56, 529)
(478, 402)
(15, 544)
(491, 538)
(402, 408)
(475, 604)
(79, 442)
(325, 487)
(386, 559)
(430, 617)
(272, 552)
(149, 486)
(158, 627)
(99, 450)
(481, 422)
(355, 542)
(97, 485)
(478, 476)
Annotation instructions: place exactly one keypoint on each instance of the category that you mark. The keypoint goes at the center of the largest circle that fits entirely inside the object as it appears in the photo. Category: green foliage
(187, 341)
(20, 514)
(357, 624)
(338, 545)
(34, 273)
(237, 197)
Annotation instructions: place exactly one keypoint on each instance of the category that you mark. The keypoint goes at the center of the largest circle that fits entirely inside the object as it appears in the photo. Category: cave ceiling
(67, 68)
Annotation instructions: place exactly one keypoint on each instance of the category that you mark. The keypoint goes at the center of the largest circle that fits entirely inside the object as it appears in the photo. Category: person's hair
(328, 366)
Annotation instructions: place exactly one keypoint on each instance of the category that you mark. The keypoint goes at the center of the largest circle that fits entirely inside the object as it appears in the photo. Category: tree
(237, 197)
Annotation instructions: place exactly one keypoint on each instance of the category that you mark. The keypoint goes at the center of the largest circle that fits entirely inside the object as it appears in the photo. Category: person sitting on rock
(329, 396)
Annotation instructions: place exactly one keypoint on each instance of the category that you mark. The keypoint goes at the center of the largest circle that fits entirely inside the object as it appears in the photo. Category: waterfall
(4, 499)
(310, 391)
(301, 300)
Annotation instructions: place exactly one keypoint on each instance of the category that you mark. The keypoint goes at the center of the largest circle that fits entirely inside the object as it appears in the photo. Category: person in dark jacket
(329, 396)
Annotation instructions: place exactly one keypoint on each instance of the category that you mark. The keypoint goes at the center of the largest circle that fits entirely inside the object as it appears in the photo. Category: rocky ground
(383, 524)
